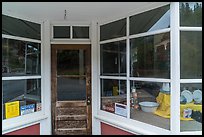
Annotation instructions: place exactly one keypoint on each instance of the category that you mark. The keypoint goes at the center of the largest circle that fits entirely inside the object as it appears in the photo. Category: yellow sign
(12, 109)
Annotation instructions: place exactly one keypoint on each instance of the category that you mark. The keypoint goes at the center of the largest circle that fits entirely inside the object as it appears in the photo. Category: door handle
(89, 82)
(88, 100)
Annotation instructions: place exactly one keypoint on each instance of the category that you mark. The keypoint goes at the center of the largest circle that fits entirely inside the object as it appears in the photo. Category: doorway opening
(71, 89)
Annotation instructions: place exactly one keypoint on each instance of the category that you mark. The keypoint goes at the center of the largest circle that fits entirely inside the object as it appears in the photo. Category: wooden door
(71, 89)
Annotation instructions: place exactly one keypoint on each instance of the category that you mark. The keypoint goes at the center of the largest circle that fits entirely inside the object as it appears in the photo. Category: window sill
(129, 125)
(6, 128)
(137, 127)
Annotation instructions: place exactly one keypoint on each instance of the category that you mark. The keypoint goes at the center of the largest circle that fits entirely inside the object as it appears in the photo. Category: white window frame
(12, 124)
(70, 40)
(134, 126)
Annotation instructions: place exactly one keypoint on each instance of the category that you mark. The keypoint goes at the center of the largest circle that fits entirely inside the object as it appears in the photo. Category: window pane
(151, 20)
(191, 14)
(61, 31)
(150, 56)
(20, 58)
(18, 27)
(150, 103)
(71, 75)
(81, 32)
(71, 89)
(191, 107)
(71, 62)
(113, 58)
(27, 92)
(191, 55)
(113, 30)
(113, 96)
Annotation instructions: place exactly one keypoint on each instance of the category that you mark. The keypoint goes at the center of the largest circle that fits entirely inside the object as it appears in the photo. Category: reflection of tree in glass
(151, 56)
(191, 15)
(16, 55)
(68, 62)
(191, 54)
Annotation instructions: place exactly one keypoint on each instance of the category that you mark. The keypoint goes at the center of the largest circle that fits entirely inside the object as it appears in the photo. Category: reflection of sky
(163, 22)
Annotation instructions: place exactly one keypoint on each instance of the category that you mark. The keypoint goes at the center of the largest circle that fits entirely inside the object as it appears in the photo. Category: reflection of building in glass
(150, 56)
(20, 57)
(162, 53)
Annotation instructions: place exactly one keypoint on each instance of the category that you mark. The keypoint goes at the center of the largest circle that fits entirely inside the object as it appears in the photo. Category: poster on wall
(27, 109)
(12, 109)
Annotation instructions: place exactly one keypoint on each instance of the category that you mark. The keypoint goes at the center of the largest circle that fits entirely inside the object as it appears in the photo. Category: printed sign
(27, 109)
(12, 109)
(121, 109)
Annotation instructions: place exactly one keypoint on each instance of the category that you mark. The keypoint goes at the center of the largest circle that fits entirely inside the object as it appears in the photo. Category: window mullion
(175, 69)
(128, 68)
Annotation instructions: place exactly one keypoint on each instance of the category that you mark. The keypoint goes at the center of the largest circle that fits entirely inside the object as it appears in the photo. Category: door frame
(54, 48)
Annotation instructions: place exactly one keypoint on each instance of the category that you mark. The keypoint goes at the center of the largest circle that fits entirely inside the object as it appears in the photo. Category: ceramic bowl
(149, 107)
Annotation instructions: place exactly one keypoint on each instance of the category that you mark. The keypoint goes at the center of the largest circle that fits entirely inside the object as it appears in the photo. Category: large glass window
(21, 67)
(191, 14)
(151, 20)
(150, 56)
(22, 28)
(149, 81)
(20, 58)
(191, 54)
(113, 58)
(113, 30)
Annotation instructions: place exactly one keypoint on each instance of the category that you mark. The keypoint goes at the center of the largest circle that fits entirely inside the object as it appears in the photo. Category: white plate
(197, 95)
(188, 95)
